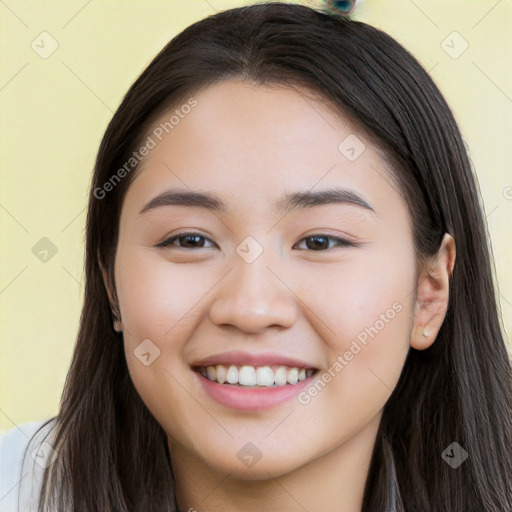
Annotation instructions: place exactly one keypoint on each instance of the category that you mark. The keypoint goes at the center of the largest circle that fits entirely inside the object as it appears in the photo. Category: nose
(253, 297)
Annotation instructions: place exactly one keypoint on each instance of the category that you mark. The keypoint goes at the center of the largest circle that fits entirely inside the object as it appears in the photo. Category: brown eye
(317, 242)
(186, 241)
(320, 242)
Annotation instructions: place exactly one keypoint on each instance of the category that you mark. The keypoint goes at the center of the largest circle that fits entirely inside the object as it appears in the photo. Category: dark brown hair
(113, 455)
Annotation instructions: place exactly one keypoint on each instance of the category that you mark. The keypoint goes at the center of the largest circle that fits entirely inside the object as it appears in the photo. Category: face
(305, 309)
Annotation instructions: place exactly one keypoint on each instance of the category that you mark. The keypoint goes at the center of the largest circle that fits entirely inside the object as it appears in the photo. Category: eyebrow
(289, 202)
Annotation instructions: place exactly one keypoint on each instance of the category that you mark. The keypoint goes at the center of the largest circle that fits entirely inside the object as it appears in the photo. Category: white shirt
(25, 451)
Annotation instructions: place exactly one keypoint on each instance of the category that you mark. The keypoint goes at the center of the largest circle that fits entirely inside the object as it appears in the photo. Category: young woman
(289, 301)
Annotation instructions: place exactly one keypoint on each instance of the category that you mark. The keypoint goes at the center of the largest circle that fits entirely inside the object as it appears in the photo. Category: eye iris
(188, 237)
(315, 245)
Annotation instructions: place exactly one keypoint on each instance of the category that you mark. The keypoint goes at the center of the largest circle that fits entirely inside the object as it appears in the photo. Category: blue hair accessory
(343, 7)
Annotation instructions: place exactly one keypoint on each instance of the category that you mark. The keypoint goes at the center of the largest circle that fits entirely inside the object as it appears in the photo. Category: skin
(250, 144)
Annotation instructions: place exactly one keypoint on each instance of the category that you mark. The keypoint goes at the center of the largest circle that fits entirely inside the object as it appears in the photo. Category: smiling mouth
(255, 376)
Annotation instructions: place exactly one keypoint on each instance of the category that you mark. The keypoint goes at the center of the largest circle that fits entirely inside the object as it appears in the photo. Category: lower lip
(251, 399)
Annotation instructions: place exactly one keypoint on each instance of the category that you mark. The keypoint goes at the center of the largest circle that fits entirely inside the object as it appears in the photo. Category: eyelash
(169, 241)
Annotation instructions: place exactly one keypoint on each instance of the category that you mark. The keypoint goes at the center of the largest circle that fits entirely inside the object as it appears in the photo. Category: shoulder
(25, 452)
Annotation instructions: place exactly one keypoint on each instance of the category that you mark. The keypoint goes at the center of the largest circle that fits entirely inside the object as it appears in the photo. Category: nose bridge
(253, 296)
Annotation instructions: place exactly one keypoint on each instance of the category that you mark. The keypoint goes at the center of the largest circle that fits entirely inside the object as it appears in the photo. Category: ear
(112, 296)
(432, 295)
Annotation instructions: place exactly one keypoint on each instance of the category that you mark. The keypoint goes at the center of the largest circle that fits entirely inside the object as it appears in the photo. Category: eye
(316, 242)
(190, 239)
(321, 242)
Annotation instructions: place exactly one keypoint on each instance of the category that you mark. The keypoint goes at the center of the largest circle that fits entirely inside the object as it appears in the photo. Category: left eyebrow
(290, 202)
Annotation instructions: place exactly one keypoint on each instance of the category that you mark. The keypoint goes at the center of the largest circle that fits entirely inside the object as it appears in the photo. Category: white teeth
(221, 374)
(247, 376)
(293, 376)
(210, 372)
(263, 376)
(280, 376)
(232, 375)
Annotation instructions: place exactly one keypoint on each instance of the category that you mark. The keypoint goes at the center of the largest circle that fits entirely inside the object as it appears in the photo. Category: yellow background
(55, 110)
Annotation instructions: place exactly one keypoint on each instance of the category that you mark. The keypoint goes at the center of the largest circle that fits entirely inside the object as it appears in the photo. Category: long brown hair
(113, 455)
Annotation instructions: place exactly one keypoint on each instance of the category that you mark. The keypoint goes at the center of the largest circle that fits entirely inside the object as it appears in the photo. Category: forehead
(251, 142)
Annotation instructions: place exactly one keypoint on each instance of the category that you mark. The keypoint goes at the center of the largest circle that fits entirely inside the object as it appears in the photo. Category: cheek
(369, 294)
(156, 297)
(157, 303)
(366, 358)
(163, 303)
(369, 314)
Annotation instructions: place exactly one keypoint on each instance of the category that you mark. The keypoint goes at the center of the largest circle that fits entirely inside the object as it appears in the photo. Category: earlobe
(432, 295)
(116, 315)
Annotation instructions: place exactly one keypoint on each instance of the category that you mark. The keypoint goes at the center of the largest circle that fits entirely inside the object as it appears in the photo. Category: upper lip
(239, 358)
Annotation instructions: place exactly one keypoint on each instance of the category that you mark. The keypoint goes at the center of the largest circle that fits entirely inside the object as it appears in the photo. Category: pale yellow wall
(55, 110)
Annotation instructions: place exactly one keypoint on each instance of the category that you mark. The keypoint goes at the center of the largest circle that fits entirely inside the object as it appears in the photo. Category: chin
(262, 468)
